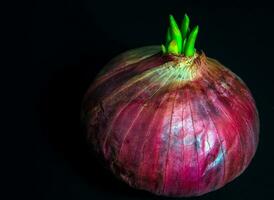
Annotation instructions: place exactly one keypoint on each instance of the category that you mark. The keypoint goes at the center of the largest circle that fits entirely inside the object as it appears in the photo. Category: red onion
(171, 122)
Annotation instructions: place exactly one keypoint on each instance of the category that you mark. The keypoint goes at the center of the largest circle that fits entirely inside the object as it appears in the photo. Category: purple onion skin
(169, 129)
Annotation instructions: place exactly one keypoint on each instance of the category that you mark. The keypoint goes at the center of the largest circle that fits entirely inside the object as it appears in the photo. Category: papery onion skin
(170, 129)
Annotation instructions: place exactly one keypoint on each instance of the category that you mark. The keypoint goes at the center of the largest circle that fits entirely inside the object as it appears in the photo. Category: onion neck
(188, 68)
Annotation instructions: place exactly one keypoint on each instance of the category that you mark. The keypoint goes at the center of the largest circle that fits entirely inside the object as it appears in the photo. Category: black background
(69, 42)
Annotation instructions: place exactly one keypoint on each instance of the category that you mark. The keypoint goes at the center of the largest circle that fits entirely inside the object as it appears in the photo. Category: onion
(171, 120)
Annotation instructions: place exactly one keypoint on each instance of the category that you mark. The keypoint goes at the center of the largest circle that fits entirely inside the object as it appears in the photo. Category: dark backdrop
(70, 41)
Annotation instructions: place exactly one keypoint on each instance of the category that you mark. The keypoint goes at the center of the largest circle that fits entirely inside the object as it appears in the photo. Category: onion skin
(168, 129)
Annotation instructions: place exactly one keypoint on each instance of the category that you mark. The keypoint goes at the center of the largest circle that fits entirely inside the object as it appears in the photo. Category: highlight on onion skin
(170, 123)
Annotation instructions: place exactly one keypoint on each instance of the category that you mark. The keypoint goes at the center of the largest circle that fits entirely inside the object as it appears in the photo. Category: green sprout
(185, 26)
(175, 33)
(173, 47)
(180, 41)
(189, 46)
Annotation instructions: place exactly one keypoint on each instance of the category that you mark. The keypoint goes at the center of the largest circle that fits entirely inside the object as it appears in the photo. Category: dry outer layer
(171, 125)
